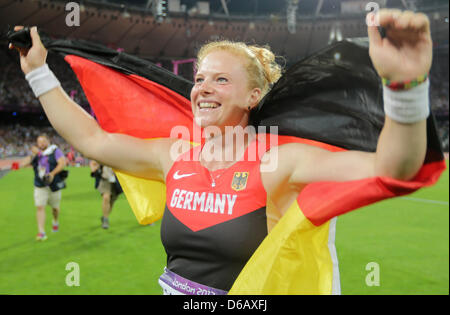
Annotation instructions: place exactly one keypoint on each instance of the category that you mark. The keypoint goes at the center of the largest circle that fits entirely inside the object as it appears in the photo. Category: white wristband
(42, 80)
(409, 106)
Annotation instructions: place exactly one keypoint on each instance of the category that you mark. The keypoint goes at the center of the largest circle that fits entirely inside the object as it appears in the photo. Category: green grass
(408, 239)
(126, 259)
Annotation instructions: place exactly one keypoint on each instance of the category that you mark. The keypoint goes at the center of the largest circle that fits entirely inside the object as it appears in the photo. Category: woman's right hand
(34, 57)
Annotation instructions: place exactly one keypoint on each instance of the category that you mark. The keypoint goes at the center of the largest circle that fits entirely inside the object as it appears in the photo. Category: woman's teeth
(208, 105)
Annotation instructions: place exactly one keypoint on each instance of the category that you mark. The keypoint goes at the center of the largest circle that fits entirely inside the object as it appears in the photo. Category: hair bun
(272, 70)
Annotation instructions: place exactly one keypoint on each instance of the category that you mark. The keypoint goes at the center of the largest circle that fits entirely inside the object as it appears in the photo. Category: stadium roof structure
(137, 27)
(261, 8)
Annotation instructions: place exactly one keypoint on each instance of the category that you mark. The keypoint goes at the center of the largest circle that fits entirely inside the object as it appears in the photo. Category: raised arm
(148, 159)
(403, 55)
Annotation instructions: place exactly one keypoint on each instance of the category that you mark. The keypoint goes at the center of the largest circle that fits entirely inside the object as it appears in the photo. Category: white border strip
(336, 286)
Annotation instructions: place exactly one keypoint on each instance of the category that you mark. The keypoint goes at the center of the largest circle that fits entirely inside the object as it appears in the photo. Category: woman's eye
(198, 80)
(222, 79)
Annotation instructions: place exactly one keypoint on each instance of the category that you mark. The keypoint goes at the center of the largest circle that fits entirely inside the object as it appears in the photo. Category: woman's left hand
(406, 51)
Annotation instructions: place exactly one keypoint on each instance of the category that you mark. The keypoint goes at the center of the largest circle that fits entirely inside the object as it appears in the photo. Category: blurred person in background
(108, 186)
(48, 163)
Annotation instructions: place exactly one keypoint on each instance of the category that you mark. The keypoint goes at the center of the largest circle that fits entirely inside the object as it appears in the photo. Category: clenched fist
(406, 51)
(34, 57)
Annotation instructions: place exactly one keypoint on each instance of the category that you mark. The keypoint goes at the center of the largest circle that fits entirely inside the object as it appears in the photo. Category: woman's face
(221, 94)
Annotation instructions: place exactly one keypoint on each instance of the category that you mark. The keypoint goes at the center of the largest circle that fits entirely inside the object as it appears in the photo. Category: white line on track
(444, 203)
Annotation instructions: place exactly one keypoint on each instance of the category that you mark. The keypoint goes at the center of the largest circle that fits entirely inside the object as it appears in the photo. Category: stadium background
(408, 237)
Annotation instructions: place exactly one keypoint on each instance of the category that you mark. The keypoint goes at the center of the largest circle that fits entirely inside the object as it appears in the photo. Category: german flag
(332, 99)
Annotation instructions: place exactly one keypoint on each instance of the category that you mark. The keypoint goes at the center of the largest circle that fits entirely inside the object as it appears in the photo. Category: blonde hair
(262, 69)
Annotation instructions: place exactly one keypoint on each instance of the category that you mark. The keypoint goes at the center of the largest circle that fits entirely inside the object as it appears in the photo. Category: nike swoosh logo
(178, 176)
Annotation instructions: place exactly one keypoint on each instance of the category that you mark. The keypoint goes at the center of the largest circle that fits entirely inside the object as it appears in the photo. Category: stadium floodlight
(158, 7)
(335, 34)
(125, 14)
(291, 15)
(174, 6)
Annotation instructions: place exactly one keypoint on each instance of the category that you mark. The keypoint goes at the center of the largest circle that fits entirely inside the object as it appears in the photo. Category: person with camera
(107, 184)
(48, 163)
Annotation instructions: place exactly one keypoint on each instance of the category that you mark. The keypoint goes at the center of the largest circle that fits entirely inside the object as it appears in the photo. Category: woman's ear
(255, 97)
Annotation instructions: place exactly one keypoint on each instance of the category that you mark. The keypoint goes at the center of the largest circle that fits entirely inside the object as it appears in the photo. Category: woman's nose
(205, 87)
